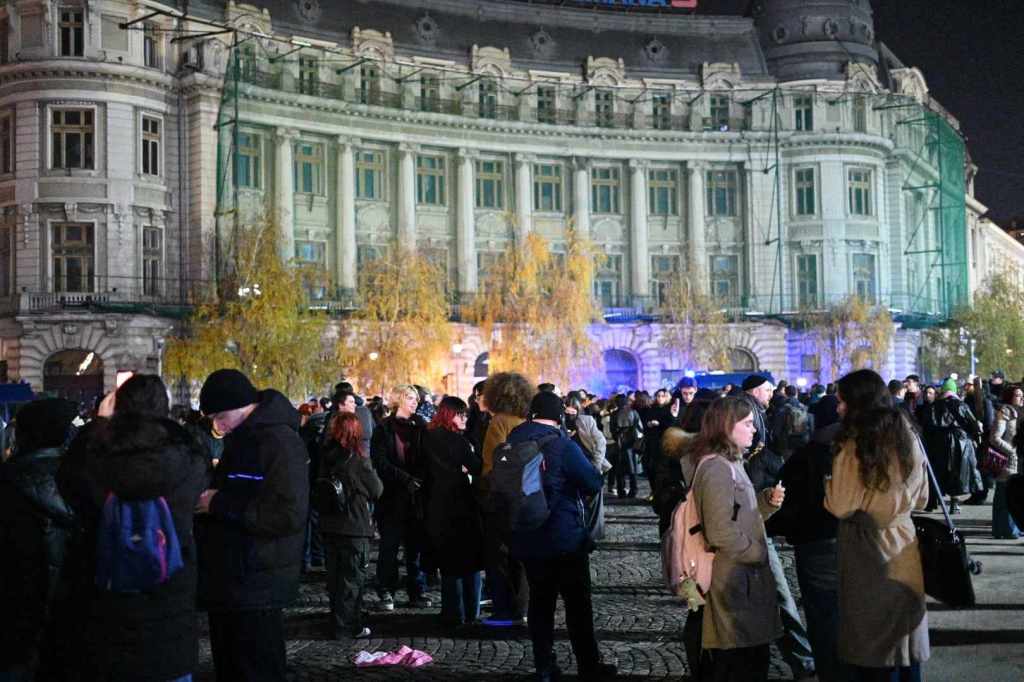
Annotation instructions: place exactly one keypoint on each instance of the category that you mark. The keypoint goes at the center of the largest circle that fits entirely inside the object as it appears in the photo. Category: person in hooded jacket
(454, 519)
(252, 526)
(135, 451)
(347, 533)
(950, 439)
(36, 526)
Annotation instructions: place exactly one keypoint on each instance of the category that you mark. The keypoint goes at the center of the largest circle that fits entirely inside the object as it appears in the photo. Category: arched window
(620, 369)
(742, 360)
(74, 374)
(481, 368)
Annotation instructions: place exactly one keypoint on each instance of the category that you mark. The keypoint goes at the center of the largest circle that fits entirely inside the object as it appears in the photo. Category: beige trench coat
(883, 621)
(742, 609)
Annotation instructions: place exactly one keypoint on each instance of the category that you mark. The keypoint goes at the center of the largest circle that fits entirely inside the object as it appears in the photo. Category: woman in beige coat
(1004, 439)
(878, 478)
(742, 613)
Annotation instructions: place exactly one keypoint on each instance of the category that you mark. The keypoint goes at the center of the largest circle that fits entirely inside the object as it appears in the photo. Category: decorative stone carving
(911, 82)
(606, 71)
(863, 77)
(427, 29)
(543, 44)
(493, 60)
(71, 212)
(656, 51)
(719, 75)
(372, 44)
(70, 329)
(309, 10)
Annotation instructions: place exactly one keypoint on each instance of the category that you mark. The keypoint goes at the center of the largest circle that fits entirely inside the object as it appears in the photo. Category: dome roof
(810, 39)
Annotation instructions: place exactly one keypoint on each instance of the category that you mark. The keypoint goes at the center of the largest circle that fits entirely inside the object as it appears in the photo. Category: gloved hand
(413, 485)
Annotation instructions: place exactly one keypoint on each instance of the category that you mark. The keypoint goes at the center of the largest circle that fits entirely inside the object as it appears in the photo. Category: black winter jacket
(251, 541)
(803, 517)
(362, 486)
(148, 636)
(762, 463)
(454, 518)
(35, 526)
(399, 503)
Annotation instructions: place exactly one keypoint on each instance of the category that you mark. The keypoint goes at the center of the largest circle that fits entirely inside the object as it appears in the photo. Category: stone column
(407, 196)
(284, 191)
(465, 234)
(345, 227)
(581, 188)
(524, 197)
(698, 249)
(638, 229)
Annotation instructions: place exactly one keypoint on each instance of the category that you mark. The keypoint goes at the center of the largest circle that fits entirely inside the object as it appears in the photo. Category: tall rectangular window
(486, 264)
(6, 142)
(807, 281)
(246, 55)
(661, 107)
(150, 145)
(72, 252)
(312, 254)
(860, 114)
(152, 256)
(604, 108)
(248, 164)
(859, 187)
(721, 192)
(6, 253)
(605, 190)
(430, 93)
(430, 180)
(663, 271)
(547, 187)
(487, 94)
(150, 51)
(806, 204)
(5, 46)
(803, 107)
(309, 164)
(725, 279)
(73, 138)
(490, 184)
(546, 106)
(309, 76)
(719, 111)
(369, 175)
(662, 191)
(608, 282)
(863, 266)
(72, 32)
(369, 84)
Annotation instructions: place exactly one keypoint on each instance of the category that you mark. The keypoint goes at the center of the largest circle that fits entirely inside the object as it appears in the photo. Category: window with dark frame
(719, 107)
(430, 93)
(369, 175)
(608, 281)
(806, 203)
(662, 192)
(309, 161)
(150, 145)
(804, 109)
(546, 105)
(369, 84)
(73, 139)
(6, 143)
(664, 269)
(864, 273)
(150, 41)
(6, 253)
(487, 98)
(604, 108)
(807, 280)
(309, 76)
(312, 253)
(248, 165)
(605, 189)
(725, 280)
(722, 193)
(152, 257)
(490, 184)
(430, 180)
(661, 106)
(859, 185)
(547, 187)
(72, 252)
(72, 32)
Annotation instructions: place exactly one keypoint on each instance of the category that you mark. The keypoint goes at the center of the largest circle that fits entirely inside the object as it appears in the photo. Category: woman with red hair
(347, 531)
(454, 522)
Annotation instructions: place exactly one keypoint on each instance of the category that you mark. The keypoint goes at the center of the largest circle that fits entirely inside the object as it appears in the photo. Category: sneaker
(421, 603)
(387, 602)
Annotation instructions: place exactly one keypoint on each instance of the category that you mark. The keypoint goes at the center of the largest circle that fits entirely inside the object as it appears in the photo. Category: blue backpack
(137, 547)
(517, 496)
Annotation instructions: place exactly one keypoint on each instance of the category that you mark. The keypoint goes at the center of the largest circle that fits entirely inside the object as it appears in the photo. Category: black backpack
(517, 496)
(328, 495)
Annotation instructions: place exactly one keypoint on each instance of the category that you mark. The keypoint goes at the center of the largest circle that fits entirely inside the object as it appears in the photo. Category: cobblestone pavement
(639, 625)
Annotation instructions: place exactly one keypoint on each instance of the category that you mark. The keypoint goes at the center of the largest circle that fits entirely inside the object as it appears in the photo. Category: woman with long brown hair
(347, 532)
(741, 617)
(878, 478)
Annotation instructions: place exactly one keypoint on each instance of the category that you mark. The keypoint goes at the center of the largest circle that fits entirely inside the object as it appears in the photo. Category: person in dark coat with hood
(454, 519)
(36, 525)
(950, 434)
(252, 526)
(136, 452)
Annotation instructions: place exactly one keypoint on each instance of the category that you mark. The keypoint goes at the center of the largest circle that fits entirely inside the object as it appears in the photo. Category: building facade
(787, 159)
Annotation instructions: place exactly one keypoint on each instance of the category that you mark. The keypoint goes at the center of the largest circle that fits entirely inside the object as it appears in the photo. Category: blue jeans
(793, 645)
(1002, 523)
(404, 533)
(817, 573)
(460, 597)
(911, 673)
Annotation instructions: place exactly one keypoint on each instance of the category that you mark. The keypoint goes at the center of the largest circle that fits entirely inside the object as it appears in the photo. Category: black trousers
(248, 646)
(348, 560)
(567, 575)
(749, 664)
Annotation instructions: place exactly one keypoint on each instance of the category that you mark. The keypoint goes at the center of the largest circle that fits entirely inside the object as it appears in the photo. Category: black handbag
(947, 565)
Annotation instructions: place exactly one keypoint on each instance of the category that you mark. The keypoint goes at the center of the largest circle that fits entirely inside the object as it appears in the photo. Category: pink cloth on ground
(410, 658)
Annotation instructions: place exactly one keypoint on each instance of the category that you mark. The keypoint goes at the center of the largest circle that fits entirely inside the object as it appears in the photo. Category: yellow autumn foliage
(852, 334)
(695, 326)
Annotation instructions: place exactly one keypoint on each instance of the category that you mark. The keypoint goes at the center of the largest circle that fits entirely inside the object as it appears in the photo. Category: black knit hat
(226, 389)
(547, 405)
(44, 423)
(753, 381)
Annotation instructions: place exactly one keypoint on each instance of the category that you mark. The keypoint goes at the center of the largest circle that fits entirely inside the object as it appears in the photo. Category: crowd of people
(116, 533)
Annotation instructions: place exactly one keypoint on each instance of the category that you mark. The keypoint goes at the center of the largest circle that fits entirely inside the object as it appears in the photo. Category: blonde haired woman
(741, 617)
(397, 453)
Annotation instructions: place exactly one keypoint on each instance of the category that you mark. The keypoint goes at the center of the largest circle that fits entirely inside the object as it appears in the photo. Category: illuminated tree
(400, 332)
(852, 334)
(696, 325)
(260, 323)
(536, 306)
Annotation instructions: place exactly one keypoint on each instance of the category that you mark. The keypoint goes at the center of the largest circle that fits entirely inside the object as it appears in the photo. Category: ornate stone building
(788, 157)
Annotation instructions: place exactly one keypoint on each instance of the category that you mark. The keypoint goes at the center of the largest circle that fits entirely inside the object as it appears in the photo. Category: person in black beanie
(252, 526)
